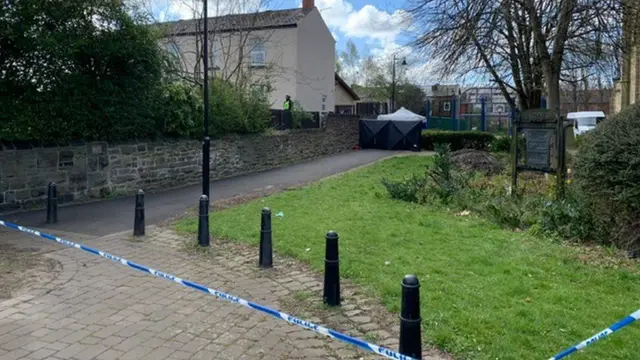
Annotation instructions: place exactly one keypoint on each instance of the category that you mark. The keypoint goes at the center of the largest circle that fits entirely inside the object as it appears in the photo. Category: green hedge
(607, 167)
(457, 140)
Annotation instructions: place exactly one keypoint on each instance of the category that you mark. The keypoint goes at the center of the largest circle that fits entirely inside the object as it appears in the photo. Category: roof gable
(347, 88)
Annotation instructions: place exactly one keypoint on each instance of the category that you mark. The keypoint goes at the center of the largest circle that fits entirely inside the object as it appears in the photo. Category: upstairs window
(216, 55)
(174, 54)
(258, 52)
(172, 48)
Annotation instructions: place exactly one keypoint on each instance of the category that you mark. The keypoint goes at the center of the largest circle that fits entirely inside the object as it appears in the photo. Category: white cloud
(334, 12)
(335, 36)
(369, 22)
(380, 30)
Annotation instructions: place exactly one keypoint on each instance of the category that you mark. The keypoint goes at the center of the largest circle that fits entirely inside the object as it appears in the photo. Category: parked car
(584, 121)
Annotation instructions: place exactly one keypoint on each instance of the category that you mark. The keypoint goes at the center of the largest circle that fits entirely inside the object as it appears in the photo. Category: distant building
(597, 100)
(495, 102)
(439, 90)
(441, 98)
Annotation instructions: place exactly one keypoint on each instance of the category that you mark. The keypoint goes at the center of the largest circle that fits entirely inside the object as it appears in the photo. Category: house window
(172, 48)
(216, 54)
(258, 52)
(446, 106)
(174, 54)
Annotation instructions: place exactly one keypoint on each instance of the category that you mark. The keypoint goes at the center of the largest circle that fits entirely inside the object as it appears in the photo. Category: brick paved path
(96, 309)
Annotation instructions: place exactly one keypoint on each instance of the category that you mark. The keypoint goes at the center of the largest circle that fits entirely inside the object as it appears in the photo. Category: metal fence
(464, 116)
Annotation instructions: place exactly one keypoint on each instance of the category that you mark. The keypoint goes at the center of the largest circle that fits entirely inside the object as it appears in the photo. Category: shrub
(410, 189)
(569, 218)
(501, 144)
(504, 210)
(446, 179)
(234, 111)
(441, 180)
(257, 112)
(607, 167)
(608, 164)
(298, 115)
(183, 114)
(457, 139)
(578, 140)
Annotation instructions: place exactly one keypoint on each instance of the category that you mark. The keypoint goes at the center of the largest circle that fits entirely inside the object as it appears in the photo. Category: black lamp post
(206, 142)
(393, 82)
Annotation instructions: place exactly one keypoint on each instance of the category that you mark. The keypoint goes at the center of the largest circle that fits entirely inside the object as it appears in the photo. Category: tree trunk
(574, 91)
(553, 90)
(585, 99)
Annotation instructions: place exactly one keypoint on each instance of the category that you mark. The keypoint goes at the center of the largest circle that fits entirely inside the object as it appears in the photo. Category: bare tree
(524, 45)
(233, 35)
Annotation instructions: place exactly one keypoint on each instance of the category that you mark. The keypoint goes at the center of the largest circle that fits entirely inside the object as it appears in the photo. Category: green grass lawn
(487, 293)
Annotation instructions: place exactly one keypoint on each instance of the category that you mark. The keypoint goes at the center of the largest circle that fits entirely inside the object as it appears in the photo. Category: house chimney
(308, 4)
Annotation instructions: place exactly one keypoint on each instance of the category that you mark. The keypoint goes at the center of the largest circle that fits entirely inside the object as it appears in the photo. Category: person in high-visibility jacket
(288, 104)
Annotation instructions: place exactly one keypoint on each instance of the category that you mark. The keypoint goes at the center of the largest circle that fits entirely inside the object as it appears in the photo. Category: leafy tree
(77, 69)
(412, 97)
(350, 63)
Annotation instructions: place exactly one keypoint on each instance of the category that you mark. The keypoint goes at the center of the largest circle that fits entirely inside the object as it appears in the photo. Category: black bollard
(138, 220)
(331, 295)
(266, 252)
(410, 337)
(52, 204)
(203, 221)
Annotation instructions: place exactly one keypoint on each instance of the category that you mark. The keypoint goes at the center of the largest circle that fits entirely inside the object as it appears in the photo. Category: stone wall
(85, 171)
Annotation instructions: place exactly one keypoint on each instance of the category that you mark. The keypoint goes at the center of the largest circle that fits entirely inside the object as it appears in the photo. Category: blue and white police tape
(390, 354)
(599, 336)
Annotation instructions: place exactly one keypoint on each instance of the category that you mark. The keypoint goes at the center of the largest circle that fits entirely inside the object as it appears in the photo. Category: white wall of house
(316, 64)
(231, 58)
(281, 59)
(342, 96)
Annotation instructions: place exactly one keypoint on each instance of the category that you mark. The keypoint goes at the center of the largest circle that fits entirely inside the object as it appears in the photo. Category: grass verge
(487, 293)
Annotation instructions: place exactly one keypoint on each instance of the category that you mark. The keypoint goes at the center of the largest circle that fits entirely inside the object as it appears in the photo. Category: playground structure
(455, 113)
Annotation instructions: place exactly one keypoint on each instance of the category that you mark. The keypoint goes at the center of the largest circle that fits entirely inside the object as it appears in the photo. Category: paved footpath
(96, 309)
(107, 217)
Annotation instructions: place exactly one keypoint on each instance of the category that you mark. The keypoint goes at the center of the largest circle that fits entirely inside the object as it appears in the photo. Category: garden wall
(85, 171)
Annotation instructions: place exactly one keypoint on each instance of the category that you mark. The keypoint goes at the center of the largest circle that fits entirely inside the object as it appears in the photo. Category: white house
(290, 51)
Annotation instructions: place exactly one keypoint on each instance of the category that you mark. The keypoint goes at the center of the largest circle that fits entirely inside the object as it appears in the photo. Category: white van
(584, 121)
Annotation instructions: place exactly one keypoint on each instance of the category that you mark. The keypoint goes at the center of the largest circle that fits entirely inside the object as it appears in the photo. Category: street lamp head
(404, 62)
